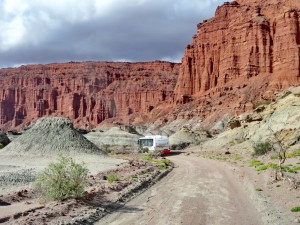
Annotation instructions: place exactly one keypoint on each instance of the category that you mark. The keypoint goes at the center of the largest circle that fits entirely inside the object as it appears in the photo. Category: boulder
(4, 140)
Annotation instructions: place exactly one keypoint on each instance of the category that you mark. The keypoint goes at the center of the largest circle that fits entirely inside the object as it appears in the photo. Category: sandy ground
(23, 168)
(198, 191)
(134, 176)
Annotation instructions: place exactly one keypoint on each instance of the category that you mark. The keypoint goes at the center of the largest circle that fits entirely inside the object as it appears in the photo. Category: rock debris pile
(51, 136)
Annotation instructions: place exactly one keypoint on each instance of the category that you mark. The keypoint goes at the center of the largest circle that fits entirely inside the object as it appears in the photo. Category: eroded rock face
(238, 58)
(247, 51)
(87, 93)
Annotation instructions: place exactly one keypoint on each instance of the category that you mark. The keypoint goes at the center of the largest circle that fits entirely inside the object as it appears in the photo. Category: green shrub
(238, 158)
(147, 157)
(287, 154)
(255, 163)
(263, 167)
(296, 209)
(295, 153)
(62, 180)
(267, 166)
(112, 177)
(1, 145)
(293, 169)
(296, 168)
(112, 152)
(259, 189)
(163, 163)
(262, 148)
(151, 155)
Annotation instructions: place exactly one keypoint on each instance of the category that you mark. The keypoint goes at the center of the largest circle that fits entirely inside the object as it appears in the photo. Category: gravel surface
(51, 136)
(198, 191)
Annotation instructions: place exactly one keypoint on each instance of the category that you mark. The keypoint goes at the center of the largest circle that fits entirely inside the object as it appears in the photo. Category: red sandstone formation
(87, 93)
(241, 56)
(248, 50)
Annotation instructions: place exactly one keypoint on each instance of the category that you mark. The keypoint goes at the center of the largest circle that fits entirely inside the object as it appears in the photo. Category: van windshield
(146, 142)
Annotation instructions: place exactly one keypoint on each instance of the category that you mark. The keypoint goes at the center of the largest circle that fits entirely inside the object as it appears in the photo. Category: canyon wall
(247, 51)
(87, 92)
(244, 54)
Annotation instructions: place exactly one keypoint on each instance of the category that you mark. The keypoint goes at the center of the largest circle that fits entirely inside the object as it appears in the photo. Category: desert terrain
(230, 111)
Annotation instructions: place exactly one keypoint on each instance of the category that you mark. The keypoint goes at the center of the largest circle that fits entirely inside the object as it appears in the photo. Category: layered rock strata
(87, 93)
(246, 52)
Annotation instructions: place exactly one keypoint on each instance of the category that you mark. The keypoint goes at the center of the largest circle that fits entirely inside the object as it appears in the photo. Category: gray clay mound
(113, 136)
(51, 136)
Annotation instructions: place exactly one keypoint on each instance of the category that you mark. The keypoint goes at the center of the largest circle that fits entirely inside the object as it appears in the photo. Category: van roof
(154, 136)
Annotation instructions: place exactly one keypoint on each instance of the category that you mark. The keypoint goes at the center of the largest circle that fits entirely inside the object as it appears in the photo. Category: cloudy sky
(43, 31)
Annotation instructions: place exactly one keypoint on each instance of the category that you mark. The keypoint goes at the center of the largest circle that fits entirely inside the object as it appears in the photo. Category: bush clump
(62, 180)
(262, 148)
(163, 163)
(112, 177)
(296, 209)
(255, 163)
(267, 166)
(295, 153)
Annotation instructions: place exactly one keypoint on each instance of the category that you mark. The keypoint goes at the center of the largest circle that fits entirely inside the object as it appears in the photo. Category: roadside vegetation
(262, 148)
(161, 163)
(112, 177)
(295, 209)
(62, 180)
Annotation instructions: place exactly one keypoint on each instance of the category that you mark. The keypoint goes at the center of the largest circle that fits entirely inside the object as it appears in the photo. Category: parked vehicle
(155, 143)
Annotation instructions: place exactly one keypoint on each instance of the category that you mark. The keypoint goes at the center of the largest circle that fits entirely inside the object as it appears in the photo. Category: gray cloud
(40, 31)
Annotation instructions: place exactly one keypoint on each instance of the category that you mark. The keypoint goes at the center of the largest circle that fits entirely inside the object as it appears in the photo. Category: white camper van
(155, 143)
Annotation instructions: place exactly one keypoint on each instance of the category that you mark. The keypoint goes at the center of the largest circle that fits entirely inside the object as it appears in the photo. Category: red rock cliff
(87, 93)
(241, 56)
(249, 49)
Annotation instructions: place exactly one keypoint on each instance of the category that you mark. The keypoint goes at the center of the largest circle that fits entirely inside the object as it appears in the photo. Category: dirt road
(197, 191)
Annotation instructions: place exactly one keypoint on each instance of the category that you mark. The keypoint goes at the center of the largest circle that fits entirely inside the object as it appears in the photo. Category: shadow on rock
(3, 203)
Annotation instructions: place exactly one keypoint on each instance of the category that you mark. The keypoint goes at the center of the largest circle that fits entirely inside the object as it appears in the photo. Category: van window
(146, 142)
